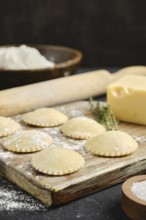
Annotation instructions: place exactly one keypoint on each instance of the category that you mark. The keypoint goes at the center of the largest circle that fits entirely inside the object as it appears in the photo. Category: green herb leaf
(104, 115)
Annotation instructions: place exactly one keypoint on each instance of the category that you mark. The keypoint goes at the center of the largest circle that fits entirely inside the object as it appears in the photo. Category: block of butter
(127, 97)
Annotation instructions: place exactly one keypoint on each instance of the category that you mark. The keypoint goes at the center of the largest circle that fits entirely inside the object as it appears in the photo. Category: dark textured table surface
(103, 205)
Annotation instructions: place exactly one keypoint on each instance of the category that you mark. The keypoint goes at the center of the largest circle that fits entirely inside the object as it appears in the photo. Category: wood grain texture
(98, 172)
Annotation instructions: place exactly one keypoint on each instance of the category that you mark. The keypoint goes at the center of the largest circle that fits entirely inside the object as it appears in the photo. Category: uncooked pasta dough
(112, 144)
(45, 117)
(8, 126)
(57, 161)
(82, 128)
(27, 141)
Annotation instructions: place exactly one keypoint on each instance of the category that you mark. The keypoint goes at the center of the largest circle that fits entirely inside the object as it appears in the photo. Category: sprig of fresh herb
(104, 115)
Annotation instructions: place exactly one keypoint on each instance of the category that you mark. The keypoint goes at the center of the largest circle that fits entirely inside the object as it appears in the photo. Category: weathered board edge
(99, 182)
(51, 198)
(42, 194)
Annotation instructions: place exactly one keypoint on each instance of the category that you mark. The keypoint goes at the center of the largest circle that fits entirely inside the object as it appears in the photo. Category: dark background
(108, 32)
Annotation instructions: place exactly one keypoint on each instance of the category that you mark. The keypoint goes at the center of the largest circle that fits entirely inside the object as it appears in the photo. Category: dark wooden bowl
(134, 207)
(66, 62)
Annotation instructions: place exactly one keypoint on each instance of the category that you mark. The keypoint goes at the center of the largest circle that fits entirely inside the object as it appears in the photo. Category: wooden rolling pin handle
(58, 91)
(134, 70)
(53, 92)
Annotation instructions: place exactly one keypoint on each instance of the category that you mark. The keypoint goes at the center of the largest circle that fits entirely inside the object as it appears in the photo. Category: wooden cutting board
(98, 172)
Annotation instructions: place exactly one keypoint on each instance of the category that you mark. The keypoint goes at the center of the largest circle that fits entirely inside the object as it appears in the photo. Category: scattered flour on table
(139, 189)
(23, 57)
(12, 200)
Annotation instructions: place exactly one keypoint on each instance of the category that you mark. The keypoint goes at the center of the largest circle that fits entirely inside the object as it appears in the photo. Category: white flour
(12, 199)
(59, 140)
(22, 57)
(140, 139)
(139, 189)
(34, 137)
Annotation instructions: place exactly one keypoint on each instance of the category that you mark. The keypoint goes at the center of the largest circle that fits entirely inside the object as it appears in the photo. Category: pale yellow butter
(127, 96)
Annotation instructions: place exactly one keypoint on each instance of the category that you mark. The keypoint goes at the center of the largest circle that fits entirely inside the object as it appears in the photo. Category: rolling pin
(59, 91)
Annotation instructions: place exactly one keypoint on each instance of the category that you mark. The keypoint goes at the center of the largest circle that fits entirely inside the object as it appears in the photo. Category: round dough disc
(8, 126)
(82, 128)
(27, 141)
(112, 144)
(45, 117)
(57, 161)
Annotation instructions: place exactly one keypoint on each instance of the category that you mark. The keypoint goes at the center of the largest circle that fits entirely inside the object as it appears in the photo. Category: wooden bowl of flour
(134, 197)
(66, 61)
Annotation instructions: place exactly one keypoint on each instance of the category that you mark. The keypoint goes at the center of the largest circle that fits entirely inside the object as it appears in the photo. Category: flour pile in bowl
(23, 58)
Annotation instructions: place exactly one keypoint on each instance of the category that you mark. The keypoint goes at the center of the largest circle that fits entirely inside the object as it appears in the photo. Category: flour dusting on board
(12, 199)
(140, 139)
(59, 140)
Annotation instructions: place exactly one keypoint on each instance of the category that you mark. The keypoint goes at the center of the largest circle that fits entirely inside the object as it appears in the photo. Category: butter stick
(127, 97)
